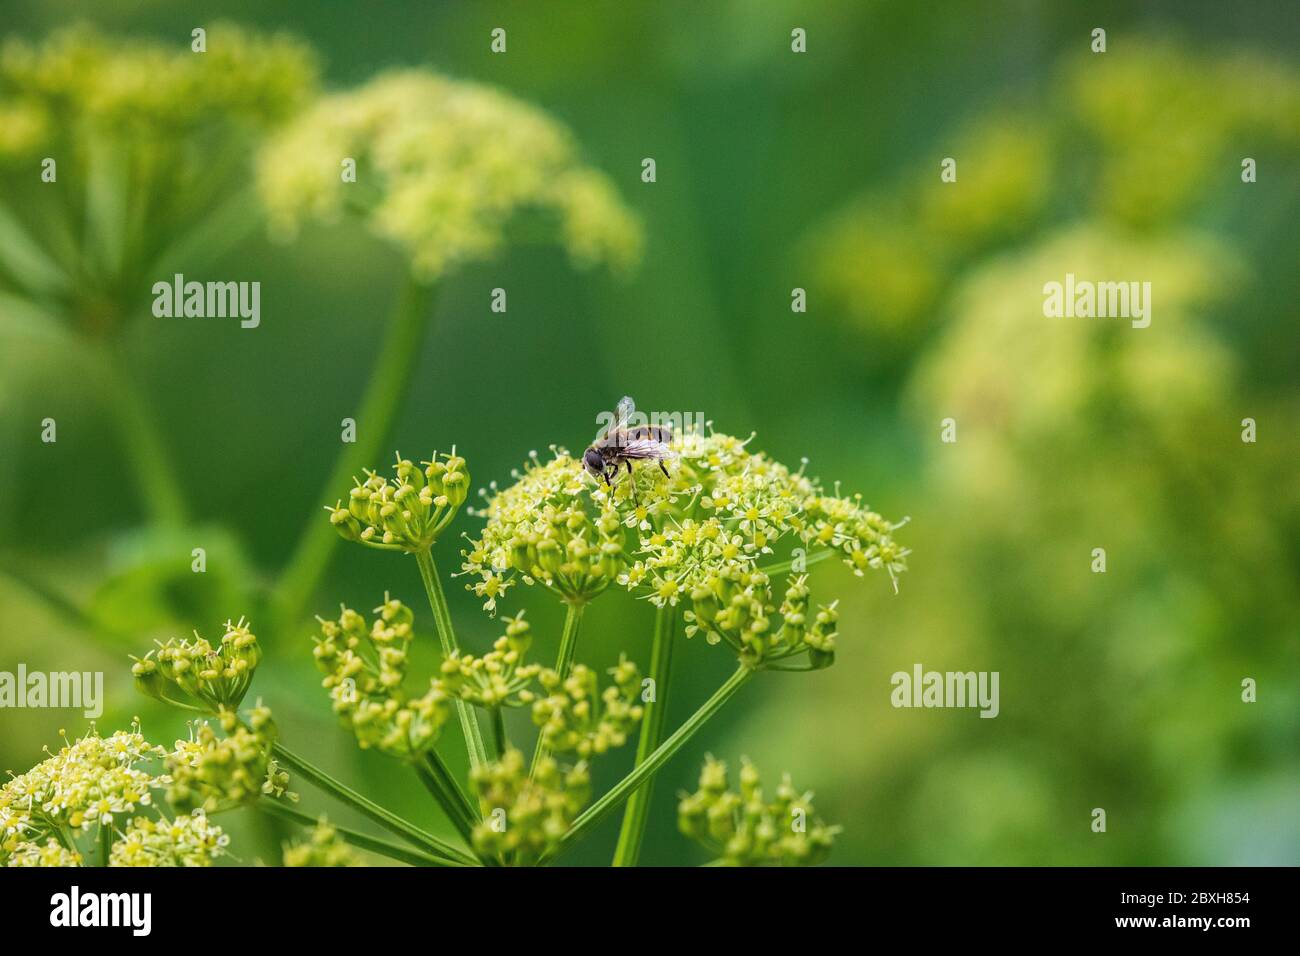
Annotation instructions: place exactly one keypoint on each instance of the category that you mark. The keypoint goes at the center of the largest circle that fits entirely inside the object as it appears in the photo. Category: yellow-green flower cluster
(744, 829)
(548, 529)
(736, 606)
(324, 847)
(188, 840)
(214, 677)
(91, 782)
(215, 772)
(78, 82)
(525, 816)
(49, 853)
(575, 716)
(697, 536)
(407, 512)
(365, 667)
(499, 678)
(443, 167)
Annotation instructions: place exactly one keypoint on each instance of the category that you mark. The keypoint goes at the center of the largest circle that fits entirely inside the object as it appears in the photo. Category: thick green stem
(662, 754)
(447, 635)
(383, 396)
(438, 778)
(563, 662)
(364, 841)
(637, 812)
(385, 818)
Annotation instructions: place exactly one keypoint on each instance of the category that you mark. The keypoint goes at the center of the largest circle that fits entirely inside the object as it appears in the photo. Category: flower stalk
(447, 635)
(364, 841)
(637, 812)
(385, 818)
(388, 384)
(563, 661)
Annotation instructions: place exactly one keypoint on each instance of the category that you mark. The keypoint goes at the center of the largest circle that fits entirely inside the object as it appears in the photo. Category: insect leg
(664, 470)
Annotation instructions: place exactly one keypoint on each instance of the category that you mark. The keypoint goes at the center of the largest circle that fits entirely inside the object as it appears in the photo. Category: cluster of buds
(365, 668)
(407, 512)
(744, 829)
(189, 840)
(324, 847)
(575, 718)
(736, 606)
(499, 678)
(213, 772)
(547, 529)
(215, 677)
(525, 816)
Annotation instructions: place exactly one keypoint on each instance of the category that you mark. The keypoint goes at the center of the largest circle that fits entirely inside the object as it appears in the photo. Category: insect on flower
(622, 444)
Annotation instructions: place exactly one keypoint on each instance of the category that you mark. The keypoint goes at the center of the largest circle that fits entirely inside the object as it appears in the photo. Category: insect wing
(643, 448)
(623, 411)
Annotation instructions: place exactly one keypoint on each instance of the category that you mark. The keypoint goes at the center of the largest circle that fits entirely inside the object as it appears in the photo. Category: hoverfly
(621, 444)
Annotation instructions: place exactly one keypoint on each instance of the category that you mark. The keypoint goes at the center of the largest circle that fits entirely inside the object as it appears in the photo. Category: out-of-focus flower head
(742, 828)
(212, 772)
(365, 667)
(698, 535)
(442, 168)
(546, 528)
(324, 847)
(576, 717)
(1168, 119)
(199, 673)
(188, 840)
(407, 512)
(92, 782)
(499, 678)
(884, 258)
(78, 81)
(525, 816)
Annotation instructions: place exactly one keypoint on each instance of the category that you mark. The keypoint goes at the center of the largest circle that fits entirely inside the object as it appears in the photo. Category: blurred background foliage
(775, 171)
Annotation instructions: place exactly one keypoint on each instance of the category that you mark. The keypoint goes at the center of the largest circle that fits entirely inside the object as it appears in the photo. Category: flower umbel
(365, 667)
(212, 676)
(407, 512)
(447, 167)
(324, 847)
(744, 829)
(547, 529)
(499, 678)
(575, 718)
(212, 772)
(525, 816)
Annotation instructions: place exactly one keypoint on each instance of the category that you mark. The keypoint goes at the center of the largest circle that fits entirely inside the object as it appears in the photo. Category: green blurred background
(776, 171)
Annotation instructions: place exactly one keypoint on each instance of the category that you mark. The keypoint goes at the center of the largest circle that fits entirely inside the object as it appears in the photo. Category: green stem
(447, 635)
(156, 481)
(437, 777)
(662, 754)
(385, 818)
(383, 396)
(499, 732)
(364, 841)
(563, 662)
(637, 812)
